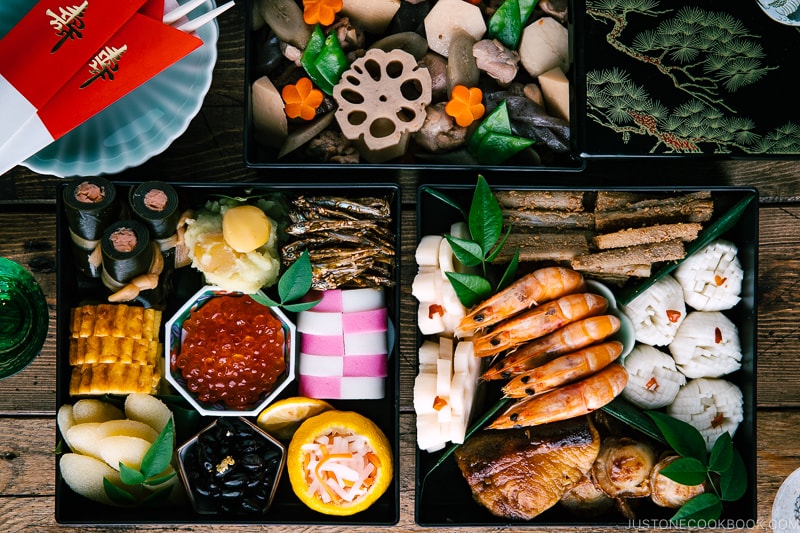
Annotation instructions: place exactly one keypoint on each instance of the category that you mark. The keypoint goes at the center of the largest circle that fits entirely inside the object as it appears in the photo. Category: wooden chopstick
(182, 10)
(195, 23)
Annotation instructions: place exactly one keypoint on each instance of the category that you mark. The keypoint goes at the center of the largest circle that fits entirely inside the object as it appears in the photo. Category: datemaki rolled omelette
(90, 207)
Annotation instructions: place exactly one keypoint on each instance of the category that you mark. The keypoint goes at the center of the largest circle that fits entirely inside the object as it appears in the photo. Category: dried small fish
(348, 241)
(371, 207)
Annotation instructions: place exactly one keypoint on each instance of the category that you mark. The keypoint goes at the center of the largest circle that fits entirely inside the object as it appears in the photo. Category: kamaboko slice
(657, 312)
(712, 277)
(707, 345)
(653, 378)
(712, 405)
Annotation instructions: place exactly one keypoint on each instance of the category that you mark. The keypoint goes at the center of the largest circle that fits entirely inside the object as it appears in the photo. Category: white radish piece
(372, 15)
(269, 118)
(555, 90)
(428, 352)
(430, 318)
(427, 253)
(449, 16)
(424, 393)
(427, 286)
(444, 374)
(446, 258)
(544, 45)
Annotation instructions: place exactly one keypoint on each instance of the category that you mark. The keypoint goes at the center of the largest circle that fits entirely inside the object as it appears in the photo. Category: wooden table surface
(211, 150)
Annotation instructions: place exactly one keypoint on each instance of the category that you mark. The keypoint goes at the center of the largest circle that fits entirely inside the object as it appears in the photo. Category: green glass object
(24, 318)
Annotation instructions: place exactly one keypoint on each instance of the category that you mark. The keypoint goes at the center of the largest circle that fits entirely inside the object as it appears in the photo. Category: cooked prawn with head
(577, 399)
(571, 337)
(562, 370)
(539, 286)
(539, 321)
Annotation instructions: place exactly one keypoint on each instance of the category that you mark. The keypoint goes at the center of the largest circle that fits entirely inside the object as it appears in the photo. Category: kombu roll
(90, 207)
(127, 252)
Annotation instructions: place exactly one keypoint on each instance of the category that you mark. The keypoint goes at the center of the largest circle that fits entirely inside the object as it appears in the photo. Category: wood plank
(27, 475)
(27, 238)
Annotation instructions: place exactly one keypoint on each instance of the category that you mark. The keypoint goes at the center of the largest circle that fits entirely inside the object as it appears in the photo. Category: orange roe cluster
(232, 352)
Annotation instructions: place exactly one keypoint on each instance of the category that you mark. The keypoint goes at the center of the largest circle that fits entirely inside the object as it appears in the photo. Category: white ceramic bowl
(140, 125)
(174, 335)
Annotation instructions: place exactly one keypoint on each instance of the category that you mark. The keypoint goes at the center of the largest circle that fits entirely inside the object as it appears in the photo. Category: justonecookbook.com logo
(665, 523)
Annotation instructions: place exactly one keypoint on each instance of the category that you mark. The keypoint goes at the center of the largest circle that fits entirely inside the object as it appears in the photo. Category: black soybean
(232, 468)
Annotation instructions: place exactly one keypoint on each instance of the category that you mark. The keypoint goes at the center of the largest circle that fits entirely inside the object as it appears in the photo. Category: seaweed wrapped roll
(127, 253)
(90, 207)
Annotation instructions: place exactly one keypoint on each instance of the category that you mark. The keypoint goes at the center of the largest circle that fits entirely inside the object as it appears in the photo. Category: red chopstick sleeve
(52, 41)
(142, 48)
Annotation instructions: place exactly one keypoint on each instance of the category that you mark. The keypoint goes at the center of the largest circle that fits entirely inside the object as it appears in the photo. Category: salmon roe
(232, 352)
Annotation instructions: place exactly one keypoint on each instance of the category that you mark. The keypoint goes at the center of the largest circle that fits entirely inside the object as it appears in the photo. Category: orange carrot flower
(302, 99)
(322, 11)
(465, 105)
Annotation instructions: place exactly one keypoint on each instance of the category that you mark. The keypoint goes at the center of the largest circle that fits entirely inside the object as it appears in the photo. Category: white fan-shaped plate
(140, 125)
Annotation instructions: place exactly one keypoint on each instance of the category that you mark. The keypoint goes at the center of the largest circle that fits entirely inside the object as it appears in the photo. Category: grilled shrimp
(539, 286)
(577, 399)
(567, 339)
(564, 369)
(539, 321)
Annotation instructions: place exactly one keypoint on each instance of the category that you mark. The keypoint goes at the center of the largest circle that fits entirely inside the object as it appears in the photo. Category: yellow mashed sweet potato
(220, 263)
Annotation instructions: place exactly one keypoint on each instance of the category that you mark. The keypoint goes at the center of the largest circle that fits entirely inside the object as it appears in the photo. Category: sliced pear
(123, 449)
(85, 474)
(65, 420)
(148, 409)
(93, 410)
(131, 428)
(82, 438)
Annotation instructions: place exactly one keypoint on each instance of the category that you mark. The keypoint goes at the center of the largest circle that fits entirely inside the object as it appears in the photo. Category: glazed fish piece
(520, 473)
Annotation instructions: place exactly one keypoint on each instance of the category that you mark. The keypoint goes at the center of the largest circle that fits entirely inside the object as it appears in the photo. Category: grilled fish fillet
(520, 473)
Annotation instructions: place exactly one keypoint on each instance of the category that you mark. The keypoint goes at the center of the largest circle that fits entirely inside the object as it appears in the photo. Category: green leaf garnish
(493, 141)
(468, 253)
(733, 482)
(697, 466)
(469, 288)
(702, 508)
(510, 273)
(445, 199)
(485, 223)
(485, 217)
(159, 454)
(296, 281)
(118, 495)
(683, 437)
(721, 457)
(153, 471)
(293, 284)
(130, 476)
(686, 471)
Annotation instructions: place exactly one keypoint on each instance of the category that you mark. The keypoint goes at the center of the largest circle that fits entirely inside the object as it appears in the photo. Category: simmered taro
(232, 469)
